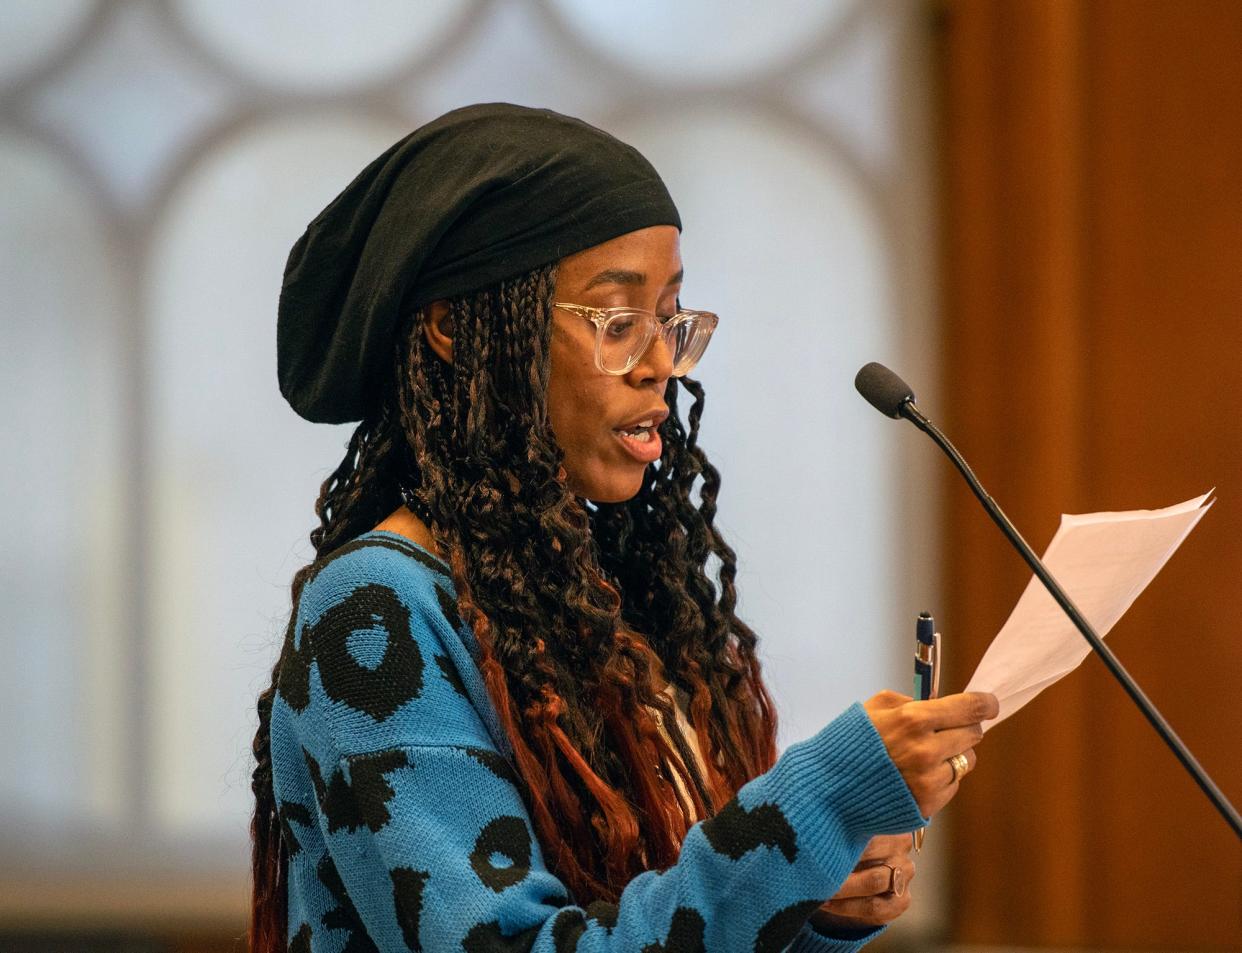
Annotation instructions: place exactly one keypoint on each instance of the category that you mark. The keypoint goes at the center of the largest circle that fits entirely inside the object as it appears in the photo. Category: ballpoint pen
(926, 674)
(926, 658)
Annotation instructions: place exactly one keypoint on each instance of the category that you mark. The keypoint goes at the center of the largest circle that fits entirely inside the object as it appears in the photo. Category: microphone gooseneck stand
(895, 399)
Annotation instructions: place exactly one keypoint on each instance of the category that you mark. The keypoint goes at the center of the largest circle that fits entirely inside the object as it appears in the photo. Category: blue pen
(926, 658)
(926, 675)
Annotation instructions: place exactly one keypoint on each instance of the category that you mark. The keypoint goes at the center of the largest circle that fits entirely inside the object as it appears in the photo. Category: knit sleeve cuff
(810, 940)
(845, 771)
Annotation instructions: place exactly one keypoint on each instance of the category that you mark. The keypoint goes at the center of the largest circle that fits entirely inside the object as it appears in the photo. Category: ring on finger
(896, 880)
(959, 765)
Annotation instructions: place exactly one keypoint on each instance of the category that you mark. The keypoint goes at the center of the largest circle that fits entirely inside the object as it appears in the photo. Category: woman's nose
(657, 361)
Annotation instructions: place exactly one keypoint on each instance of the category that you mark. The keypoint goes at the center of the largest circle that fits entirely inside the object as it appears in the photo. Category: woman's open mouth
(642, 443)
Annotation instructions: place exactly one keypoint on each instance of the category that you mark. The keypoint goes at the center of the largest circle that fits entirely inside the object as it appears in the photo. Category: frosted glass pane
(513, 58)
(694, 42)
(35, 30)
(62, 487)
(780, 239)
(132, 101)
(234, 471)
(327, 46)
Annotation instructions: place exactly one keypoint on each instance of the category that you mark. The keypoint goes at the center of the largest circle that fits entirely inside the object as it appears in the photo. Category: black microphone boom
(891, 396)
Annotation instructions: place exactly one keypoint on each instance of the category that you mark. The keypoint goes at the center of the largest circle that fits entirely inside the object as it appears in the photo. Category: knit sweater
(405, 829)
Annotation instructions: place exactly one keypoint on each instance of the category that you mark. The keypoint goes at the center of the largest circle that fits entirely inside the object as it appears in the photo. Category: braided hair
(570, 650)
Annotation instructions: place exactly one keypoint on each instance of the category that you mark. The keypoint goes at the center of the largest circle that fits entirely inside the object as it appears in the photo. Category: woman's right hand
(922, 736)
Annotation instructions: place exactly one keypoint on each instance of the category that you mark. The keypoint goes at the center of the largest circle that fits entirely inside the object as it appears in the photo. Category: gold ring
(896, 880)
(959, 766)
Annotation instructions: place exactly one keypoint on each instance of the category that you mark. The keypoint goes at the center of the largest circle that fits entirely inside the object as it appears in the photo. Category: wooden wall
(1092, 356)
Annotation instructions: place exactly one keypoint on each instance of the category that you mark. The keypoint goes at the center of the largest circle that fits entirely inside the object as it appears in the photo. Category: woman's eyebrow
(621, 276)
(616, 276)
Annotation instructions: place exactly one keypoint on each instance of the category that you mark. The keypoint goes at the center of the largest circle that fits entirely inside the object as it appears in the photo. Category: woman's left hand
(877, 892)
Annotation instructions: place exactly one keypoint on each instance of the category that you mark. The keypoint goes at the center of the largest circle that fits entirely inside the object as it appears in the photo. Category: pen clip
(935, 665)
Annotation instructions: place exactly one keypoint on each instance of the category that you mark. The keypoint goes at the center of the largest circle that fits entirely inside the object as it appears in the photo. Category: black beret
(481, 194)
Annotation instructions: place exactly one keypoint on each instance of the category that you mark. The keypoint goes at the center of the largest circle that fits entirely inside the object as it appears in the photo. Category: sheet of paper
(1102, 561)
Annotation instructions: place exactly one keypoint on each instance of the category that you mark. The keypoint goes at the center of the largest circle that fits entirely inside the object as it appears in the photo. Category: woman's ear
(438, 328)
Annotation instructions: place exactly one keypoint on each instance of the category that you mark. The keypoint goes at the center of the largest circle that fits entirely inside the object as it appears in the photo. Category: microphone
(892, 396)
(883, 389)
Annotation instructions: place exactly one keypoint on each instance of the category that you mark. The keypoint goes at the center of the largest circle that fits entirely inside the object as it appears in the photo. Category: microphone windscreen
(882, 389)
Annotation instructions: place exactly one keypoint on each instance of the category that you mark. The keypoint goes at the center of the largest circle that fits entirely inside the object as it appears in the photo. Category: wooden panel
(1166, 296)
(1093, 334)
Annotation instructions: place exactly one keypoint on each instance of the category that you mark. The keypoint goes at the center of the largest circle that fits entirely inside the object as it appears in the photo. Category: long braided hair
(570, 650)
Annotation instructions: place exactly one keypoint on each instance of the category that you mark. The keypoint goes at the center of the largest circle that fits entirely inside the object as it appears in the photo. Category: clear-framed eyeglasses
(622, 335)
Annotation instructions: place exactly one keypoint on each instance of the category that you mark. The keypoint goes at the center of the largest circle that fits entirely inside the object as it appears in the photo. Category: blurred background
(1031, 209)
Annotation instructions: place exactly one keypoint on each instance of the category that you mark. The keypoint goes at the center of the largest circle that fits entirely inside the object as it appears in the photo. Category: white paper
(1102, 561)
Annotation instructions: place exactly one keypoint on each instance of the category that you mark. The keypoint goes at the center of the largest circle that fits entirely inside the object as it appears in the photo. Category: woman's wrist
(839, 928)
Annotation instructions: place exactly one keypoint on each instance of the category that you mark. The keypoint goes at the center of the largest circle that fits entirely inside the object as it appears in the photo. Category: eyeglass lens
(626, 337)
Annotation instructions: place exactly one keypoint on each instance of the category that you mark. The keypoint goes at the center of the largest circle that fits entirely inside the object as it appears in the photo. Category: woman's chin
(614, 498)
(616, 489)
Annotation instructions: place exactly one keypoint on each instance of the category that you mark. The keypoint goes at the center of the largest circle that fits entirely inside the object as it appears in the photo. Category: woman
(512, 711)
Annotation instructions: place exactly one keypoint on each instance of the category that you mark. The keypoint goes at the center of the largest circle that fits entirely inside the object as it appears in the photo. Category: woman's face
(586, 407)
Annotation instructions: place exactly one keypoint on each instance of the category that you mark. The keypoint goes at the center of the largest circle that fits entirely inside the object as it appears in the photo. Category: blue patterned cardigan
(405, 829)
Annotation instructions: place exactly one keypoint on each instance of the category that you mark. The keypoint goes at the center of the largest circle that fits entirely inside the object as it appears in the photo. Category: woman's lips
(644, 451)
